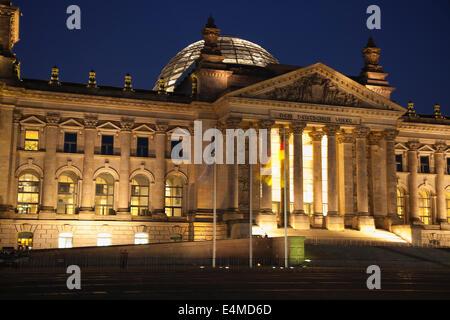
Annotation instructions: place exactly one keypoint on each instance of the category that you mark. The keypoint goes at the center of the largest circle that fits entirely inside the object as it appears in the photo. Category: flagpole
(285, 203)
(215, 207)
(251, 215)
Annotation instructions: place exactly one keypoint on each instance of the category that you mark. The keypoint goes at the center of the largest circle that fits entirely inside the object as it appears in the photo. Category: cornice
(121, 103)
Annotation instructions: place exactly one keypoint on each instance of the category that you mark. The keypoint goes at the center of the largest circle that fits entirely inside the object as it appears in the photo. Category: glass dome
(235, 50)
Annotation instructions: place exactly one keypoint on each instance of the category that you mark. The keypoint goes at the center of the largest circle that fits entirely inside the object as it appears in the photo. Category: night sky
(140, 37)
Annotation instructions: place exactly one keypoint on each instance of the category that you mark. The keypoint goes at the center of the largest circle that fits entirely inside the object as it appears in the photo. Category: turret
(9, 35)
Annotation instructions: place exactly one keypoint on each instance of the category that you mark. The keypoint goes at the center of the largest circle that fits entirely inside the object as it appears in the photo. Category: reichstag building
(83, 164)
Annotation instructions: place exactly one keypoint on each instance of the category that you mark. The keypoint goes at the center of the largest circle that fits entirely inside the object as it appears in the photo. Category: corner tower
(372, 74)
(9, 35)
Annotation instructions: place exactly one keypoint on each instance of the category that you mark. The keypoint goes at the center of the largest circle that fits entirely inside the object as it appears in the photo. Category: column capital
(413, 145)
(127, 124)
(440, 146)
(375, 138)
(390, 134)
(233, 122)
(345, 137)
(161, 127)
(331, 129)
(17, 116)
(90, 123)
(297, 127)
(53, 119)
(266, 124)
(362, 132)
(316, 135)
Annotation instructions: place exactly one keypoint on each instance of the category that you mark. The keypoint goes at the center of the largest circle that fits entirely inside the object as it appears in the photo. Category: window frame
(32, 140)
(70, 144)
(103, 146)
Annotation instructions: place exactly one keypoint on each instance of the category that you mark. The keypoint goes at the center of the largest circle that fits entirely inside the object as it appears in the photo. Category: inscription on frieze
(305, 117)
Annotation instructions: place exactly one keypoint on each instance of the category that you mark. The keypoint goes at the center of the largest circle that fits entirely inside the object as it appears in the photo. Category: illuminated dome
(235, 50)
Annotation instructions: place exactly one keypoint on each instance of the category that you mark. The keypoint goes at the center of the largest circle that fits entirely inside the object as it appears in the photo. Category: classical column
(363, 221)
(346, 161)
(90, 135)
(332, 169)
(391, 175)
(159, 189)
(413, 182)
(378, 180)
(316, 137)
(297, 129)
(440, 182)
(49, 197)
(333, 220)
(12, 196)
(266, 219)
(266, 199)
(124, 170)
(284, 167)
(233, 173)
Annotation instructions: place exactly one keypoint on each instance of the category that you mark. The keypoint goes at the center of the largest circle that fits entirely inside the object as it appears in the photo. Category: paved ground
(205, 284)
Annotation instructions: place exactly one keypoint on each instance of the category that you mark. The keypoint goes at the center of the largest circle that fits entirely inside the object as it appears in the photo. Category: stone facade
(89, 160)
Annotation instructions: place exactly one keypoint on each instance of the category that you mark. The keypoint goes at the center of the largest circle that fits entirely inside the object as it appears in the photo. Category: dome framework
(235, 51)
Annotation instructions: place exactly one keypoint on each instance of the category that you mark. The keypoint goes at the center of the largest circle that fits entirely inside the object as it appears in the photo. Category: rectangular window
(399, 162)
(425, 164)
(108, 145)
(70, 142)
(32, 140)
(142, 147)
(448, 165)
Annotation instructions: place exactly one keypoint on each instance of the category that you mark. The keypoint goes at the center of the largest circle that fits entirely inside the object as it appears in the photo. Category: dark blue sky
(140, 37)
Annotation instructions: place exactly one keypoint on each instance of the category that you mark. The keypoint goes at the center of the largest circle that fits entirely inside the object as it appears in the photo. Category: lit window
(67, 194)
(70, 142)
(141, 238)
(448, 205)
(401, 204)
(174, 196)
(25, 240)
(103, 239)
(28, 194)
(104, 195)
(65, 240)
(139, 196)
(31, 140)
(425, 206)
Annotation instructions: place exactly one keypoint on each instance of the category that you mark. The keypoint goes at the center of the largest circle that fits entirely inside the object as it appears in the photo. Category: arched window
(65, 240)
(141, 238)
(139, 196)
(401, 204)
(28, 193)
(448, 204)
(174, 196)
(425, 206)
(67, 193)
(104, 194)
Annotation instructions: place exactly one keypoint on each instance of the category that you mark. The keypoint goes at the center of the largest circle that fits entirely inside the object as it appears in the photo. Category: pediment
(426, 148)
(317, 84)
(144, 129)
(33, 121)
(71, 123)
(401, 146)
(108, 126)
